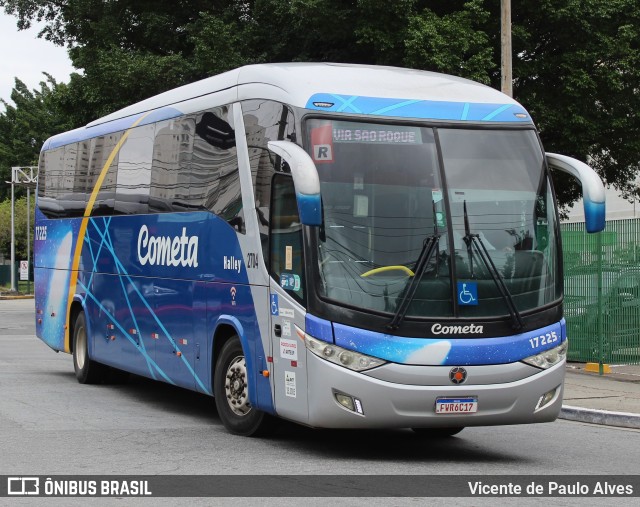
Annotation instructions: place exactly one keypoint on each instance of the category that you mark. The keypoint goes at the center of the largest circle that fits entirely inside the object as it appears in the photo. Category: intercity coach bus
(342, 246)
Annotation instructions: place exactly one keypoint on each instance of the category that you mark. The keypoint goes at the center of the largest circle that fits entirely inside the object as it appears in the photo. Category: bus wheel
(230, 388)
(87, 371)
(437, 432)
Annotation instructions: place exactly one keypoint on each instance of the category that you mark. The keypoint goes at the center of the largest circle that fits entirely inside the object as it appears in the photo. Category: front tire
(87, 370)
(230, 388)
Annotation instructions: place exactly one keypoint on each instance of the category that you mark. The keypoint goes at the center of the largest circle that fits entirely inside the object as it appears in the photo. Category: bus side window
(101, 149)
(134, 172)
(286, 251)
(213, 172)
(62, 185)
(172, 153)
(265, 121)
(49, 182)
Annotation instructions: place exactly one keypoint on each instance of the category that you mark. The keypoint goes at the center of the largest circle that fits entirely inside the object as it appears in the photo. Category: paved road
(50, 424)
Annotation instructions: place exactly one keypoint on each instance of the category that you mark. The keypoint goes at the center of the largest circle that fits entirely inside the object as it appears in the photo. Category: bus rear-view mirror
(592, 188)
(305, 180)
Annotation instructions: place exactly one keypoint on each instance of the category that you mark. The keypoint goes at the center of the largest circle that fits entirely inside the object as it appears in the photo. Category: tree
(36, 115)
(20, 225)
(577, 70)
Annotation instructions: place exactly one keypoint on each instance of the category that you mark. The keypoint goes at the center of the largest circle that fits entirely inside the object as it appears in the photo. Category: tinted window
(214, 181)
(101, 149)
(172, 151)
(50, 182)
(195, 166)
(286, 256)
(265, 121)
(134, 171)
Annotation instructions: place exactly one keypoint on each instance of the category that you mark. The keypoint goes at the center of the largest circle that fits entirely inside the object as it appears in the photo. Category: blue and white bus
(342, 246)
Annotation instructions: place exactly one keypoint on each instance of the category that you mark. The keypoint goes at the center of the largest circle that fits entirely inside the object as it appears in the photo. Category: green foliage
(577, 70)
(26, 124)
(20, 227)
(452, 42)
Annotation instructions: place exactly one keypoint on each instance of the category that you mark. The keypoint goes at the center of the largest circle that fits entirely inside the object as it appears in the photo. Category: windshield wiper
(472, 240)
(429, 247)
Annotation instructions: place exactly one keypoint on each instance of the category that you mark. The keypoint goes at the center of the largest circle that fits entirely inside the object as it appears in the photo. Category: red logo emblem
(458, 375)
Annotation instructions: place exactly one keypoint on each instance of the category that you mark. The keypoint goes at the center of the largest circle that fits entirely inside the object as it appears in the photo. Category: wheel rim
(81, 347)
(235, 387)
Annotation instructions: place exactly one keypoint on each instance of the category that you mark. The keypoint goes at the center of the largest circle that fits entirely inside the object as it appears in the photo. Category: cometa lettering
(468, 329)
(166, 251)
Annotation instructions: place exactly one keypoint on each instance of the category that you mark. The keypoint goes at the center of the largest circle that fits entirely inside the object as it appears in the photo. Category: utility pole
(505, 39)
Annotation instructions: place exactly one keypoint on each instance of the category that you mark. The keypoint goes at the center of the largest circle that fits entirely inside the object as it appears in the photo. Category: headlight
(550, 357)
(337, 355)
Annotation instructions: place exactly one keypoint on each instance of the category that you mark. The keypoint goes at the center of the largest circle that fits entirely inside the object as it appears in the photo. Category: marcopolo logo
(167, 251)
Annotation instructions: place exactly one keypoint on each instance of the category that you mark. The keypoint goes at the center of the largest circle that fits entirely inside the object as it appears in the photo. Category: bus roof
(330, 87)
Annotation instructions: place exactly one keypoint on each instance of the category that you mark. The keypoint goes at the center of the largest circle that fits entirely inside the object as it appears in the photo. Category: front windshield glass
(498, 177)
(383, 198)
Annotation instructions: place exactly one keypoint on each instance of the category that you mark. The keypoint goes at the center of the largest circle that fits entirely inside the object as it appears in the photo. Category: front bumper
(389, 404)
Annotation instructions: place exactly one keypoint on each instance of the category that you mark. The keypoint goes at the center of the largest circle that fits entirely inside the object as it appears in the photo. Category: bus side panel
(53, 246)
(175, 349)
(233, 304)
(153, 280)
(202, 338)
(121, 324)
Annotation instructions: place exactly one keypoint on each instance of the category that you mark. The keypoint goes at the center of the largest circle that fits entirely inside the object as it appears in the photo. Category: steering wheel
(383, 269)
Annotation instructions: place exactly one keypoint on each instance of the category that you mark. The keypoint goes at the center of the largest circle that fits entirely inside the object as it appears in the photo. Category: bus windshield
(477, 200)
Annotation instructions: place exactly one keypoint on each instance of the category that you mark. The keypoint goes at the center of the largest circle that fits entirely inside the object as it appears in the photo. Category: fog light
(546, 398)
(349, 402)
(346, 401)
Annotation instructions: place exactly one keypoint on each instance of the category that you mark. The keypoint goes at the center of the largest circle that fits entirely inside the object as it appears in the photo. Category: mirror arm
(592, 188)
(305, 180)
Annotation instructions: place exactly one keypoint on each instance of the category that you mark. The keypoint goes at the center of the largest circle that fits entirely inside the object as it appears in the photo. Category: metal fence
(602, 292)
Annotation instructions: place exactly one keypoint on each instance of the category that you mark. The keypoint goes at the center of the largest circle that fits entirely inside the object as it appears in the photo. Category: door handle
(277, 329)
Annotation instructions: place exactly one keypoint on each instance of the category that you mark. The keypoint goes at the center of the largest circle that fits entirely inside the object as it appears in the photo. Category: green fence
(602, 292)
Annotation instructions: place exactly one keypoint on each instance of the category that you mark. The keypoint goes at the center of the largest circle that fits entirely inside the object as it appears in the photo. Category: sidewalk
(612, 399)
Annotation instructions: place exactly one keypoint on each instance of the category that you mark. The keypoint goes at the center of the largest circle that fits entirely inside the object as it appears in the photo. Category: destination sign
(351, 132)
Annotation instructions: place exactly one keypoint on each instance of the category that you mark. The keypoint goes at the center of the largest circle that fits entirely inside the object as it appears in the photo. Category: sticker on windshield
(290, 281)
(288, 257)
(467, 293)
(321, 141)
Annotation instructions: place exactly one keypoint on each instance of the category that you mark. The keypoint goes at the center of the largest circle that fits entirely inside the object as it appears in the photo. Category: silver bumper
(393, 405)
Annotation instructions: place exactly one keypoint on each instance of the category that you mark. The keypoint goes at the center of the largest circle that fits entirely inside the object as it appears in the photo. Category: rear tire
(230, 388)
(437, 432)
(87, 370)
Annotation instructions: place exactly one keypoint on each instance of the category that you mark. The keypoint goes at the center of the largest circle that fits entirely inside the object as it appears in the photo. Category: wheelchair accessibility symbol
(275, 308)
(467, 293)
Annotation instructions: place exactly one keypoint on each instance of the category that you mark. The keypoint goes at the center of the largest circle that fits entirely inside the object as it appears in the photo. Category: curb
(3, 298)
(593, 416)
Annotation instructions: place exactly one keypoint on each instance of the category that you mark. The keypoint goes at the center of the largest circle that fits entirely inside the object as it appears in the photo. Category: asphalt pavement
(611, 399)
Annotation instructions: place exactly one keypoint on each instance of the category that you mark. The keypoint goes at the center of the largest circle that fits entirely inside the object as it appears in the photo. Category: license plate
(467, 405)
